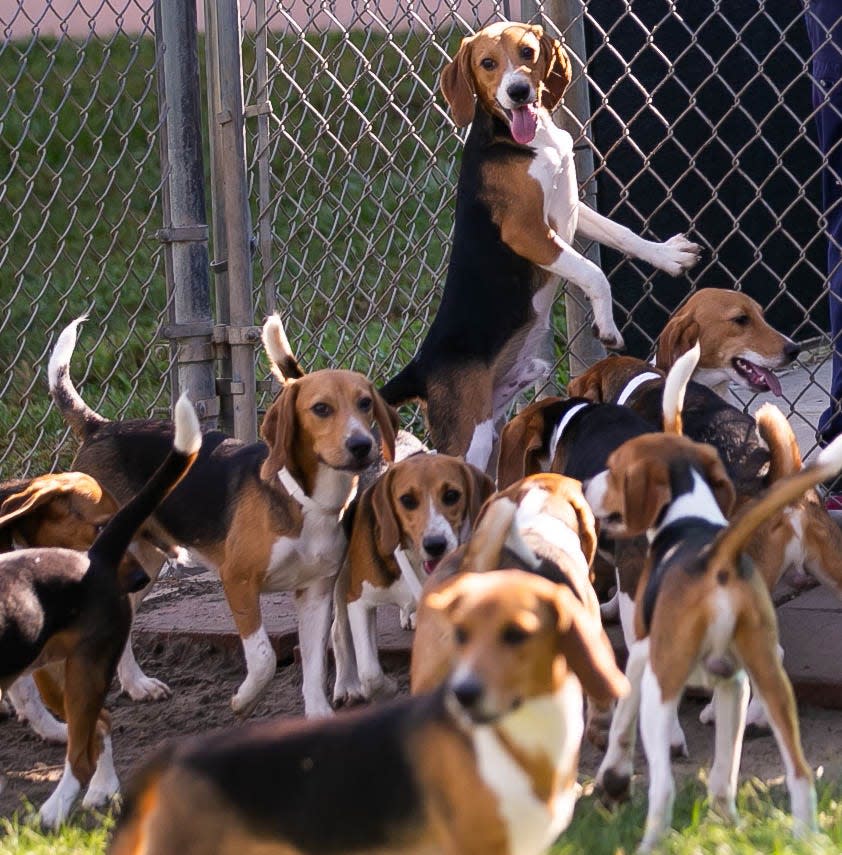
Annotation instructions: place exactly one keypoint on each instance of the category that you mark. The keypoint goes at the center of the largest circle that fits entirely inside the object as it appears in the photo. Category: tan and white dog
(266, 515)
(419, 510)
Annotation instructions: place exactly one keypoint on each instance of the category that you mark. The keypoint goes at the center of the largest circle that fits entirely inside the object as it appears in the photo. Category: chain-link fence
(79, 207)
(699, 118)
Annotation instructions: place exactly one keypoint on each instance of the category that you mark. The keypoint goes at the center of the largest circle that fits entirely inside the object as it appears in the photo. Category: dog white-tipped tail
(188, 434)
(276, 345)
(63, 351)
(676, 385)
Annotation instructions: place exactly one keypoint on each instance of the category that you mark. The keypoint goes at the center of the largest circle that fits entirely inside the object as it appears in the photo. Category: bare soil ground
(203, 678)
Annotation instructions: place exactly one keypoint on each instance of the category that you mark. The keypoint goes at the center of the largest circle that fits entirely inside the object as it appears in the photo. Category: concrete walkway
(192, 605)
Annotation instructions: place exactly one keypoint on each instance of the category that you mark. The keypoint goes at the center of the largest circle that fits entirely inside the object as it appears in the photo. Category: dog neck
(559, 429)
(697, 503)
(333, 491)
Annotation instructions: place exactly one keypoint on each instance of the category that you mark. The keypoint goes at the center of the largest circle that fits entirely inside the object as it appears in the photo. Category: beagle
(677, 492)
(64, 510)
(541, 524)
(738, 345)
(62, 604)
(265, 515)
(485, 764)
(422, 508)
(517, 211)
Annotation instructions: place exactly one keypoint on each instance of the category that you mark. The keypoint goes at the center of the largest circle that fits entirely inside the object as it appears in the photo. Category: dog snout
(435, 545)
(359, 445)
(791, 350)
(468, 690)
(519, 91)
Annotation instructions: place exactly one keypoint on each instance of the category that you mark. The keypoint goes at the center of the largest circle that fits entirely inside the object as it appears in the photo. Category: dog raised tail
(115, 538)
(82, 419)
(731, 542)
(777, 433)
(676, 385)
(276, 344)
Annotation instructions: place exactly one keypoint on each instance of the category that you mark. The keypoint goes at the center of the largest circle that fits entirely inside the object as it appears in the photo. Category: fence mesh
(701, 120)
(79, 191)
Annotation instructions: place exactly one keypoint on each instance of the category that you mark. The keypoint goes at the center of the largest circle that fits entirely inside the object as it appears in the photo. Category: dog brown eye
(513, 635)
(451, 497)
(364, 404)
(408, 501)
(488, 64)
(741, 320)
(321, 410)
(527, 53)
(460, 635)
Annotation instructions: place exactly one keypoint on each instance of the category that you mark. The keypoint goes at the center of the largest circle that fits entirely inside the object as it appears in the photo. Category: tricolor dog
(541, 524)
(63, 604)
(266, 515)
(484, 765)
(517, 212)
(419, 510)
(703, 615)
(737, 343)
(65, 510)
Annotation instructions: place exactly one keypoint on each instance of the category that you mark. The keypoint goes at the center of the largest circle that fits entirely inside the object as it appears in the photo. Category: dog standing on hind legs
(517, 211)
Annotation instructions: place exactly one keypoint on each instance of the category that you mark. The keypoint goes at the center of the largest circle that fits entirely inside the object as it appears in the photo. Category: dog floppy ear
(677, 337)
(586, 523)
(587, 385)
(585, 646)
(520, 443)
(279, 429)
(39, 491)
(558, 70)
(387, 532)
(717, 479)
(646, 489)
(478, 487)
(457, 85)
(388, 422)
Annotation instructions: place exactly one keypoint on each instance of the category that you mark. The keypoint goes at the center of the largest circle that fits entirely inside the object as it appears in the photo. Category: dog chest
(316, 552)
(553, 168)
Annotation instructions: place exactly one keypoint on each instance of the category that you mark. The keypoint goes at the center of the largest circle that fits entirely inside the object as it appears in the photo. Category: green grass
(764, 827)
(361, 211)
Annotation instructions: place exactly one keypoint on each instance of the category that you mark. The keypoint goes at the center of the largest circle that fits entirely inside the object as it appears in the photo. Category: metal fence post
(185, 231)
(235, 332)
(568, 16)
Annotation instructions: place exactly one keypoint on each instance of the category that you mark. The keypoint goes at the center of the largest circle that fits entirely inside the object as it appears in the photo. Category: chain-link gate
(79, 207)
(699, 119)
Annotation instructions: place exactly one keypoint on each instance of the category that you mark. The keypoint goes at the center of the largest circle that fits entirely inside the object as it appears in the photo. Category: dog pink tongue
(771, 380)
(524, 123)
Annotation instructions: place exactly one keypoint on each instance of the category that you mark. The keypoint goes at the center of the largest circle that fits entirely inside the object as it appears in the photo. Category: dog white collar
(408, 573)
(296, 492)
(559, 429)
(631, 387)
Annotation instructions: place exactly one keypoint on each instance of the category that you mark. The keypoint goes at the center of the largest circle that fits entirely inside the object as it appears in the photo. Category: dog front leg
(538, 243)
(346, 688)
(313, 606)
(363, 620)
(674, 256)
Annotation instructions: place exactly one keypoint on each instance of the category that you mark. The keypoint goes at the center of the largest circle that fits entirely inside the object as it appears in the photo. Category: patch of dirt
(203, 678)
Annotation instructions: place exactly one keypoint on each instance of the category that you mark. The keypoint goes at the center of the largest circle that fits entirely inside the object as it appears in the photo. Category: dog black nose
(519, 91)
(435, 545)
(791, 350)
(467, 690)
(359, 445)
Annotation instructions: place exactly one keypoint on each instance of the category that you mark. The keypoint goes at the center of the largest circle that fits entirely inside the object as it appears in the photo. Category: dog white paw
(143, 688)
(756, 715)
(707, 715)
(676, 255)
(408, 619)
(380, 687)
(678, 742)
(101, 793)
(609, 611)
